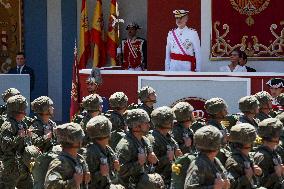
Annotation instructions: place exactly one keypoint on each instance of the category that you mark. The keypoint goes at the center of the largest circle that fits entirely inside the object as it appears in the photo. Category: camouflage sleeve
(38, 135)
(129, 163)
(268, 179)
(9, 142)
(54, 177)
(160, 151)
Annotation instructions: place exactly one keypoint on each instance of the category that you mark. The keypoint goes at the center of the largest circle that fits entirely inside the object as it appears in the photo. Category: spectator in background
(243, 61)
(234, 65)
(22, 68)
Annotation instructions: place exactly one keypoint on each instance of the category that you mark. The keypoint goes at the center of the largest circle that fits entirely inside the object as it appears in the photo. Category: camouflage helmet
(151, 181)
(280, 99)
(208, 138)
(183, 111)
(9, 93)
(162, 116)
(95, 77)
(270, 128)
(136, 117)
(144, 92)
(215, 105)
(248, 103)
(99, 127)
(263, 98)
(69, 133)
(92, 102)
(41, 104)
(243, 133)
(16, 103)
(116, 186)
(118, 100)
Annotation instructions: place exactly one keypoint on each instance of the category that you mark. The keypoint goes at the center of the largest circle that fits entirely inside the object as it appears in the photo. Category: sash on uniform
(183, 56)
(131, 48)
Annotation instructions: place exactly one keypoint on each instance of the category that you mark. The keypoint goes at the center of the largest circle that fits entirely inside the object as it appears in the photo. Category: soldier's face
(246, 149)
(181, 22)
(20, 59)
(275, 92)
(144, 127)
(20, 116)
(92, 88)
(131, 32)
(267, 108)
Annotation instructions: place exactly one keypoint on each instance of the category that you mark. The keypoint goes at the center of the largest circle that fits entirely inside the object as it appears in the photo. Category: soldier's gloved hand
(249, 173)
(219, 183)
(227, 184)
(187, 142)
(152, 158)
(21, 133)
(78, 177)
(257, 170)
(87, 177)
(116, 165)
(178, 152)
(278, 170)
(104, 169)
(141, 158)
(170, 154)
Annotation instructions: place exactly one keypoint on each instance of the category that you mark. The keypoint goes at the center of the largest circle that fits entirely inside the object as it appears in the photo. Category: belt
(182, 57)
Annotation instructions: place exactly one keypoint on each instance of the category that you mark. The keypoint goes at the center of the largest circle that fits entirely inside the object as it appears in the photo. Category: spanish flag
(112, 40)
(85, 42)
(99, 56)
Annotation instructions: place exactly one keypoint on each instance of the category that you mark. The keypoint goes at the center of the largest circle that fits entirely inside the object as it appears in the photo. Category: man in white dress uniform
(183, 46)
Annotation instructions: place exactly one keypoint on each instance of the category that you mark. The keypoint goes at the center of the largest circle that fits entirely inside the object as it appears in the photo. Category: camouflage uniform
(236, 164)
(202, 172)
(247, 104)
(39, 128)
(15, 173)
(117, 101)
(100, 127)
(61, 169)
(183, 113)
(129, 147)
(266, 158)
(264, 98)
(280, 148)
(163, 144)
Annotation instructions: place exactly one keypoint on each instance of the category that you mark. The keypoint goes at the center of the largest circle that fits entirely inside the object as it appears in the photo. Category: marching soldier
(134, 150)
(265, 105)
(183, 46)
(101, 159)
(15, 136)
(243, 173)
(181, 131)
(133, 50)
(148, 97)
(266, 156)
(249, 106)
(118, 103)
(43, 127)
(164, 146)
(5, 96)
(206, 171)
(69, 169)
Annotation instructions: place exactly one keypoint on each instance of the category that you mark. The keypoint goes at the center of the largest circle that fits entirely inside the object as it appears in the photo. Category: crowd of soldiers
(139, 147)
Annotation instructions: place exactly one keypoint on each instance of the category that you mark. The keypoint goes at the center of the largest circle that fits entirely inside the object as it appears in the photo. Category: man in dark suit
(22, 68)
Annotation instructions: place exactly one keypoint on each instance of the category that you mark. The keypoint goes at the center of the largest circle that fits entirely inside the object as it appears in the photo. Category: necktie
(18, 70)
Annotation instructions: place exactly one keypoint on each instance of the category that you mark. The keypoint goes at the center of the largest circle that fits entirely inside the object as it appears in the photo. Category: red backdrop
(161, 20)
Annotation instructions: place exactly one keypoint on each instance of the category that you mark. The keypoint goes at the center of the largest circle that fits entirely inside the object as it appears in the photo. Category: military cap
(276, 83)
(99, 127)
(9, 92)
(183, 111)
(243, 133)
(118, 100)
(136, 117)
(270, 128)
(151, 181)
(263, 98)
(69, 133)
(133, 25)
(248, 103)
(180, 13)
(16, 103)
(280, 99)
(41, 104)
(208, 138)
(95, 77)
(92, 102)
(144, 93)
(162, 116)
(215, 105)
